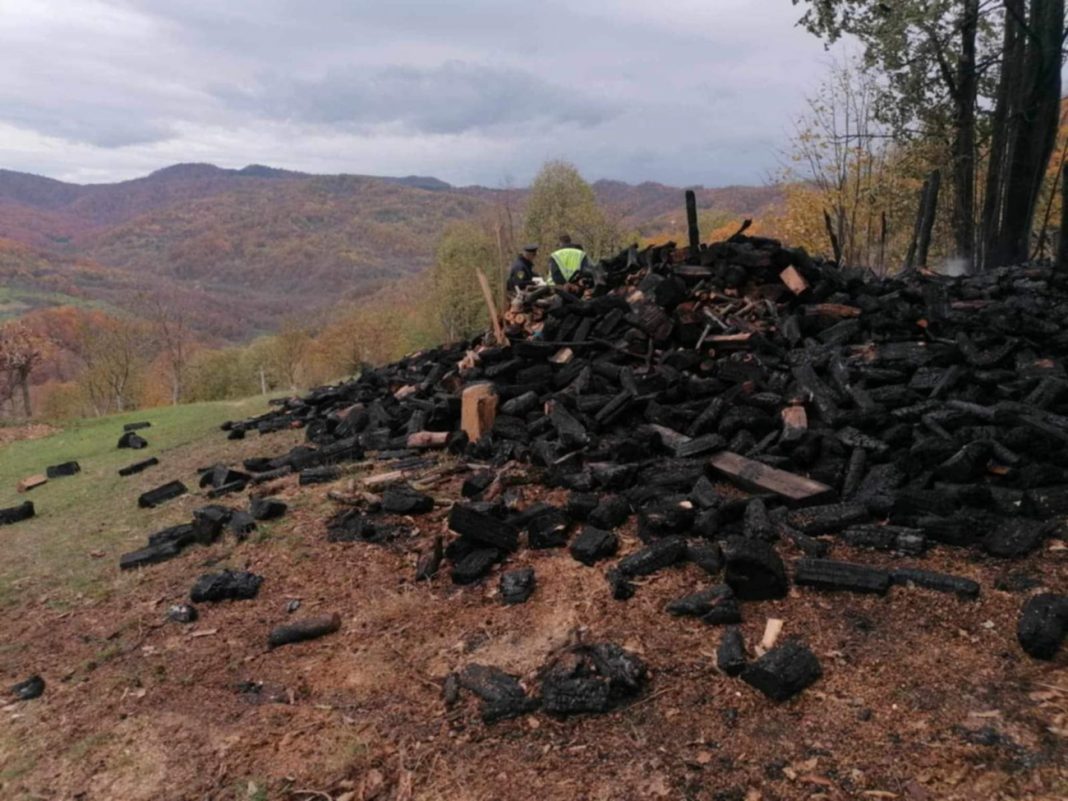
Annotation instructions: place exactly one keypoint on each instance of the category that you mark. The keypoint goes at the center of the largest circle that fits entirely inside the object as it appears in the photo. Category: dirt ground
(9, 434)
(923, 697)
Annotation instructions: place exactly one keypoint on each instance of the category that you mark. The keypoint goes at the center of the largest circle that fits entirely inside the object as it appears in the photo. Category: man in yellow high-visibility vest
(568, 264)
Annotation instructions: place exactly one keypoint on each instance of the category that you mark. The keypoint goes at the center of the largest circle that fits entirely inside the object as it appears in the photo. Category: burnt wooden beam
(760, 477)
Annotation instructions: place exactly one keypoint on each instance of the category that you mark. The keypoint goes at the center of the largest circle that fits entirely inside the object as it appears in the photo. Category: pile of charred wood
(893, 414)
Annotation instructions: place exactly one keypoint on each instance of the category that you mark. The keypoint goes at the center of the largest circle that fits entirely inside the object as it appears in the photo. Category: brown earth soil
(924, 696)
(9, 434)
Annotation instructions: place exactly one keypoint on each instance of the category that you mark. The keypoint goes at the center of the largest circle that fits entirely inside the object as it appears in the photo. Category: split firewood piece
(772, 630)
(794, 280)
(478, 410)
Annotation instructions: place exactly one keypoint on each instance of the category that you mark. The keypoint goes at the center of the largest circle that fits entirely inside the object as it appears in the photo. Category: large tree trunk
(1034, 134)
(1003, 119)
(963, 151)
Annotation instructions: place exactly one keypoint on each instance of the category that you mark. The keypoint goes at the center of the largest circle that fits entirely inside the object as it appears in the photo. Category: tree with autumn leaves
(972, 88)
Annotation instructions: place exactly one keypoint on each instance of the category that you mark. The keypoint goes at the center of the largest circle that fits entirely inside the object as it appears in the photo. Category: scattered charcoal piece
(656, 556)
(517, 585)
(591, 679)
(942, 582)
(481, 526)
(474, 485)
(319, 475)
(1043, 624)
(137, 426)
(714, 605)
(905, 540)
(353, 526)
(594, 544)
(730, 655)
(784, 671)
(182, 613)
(828, 574)
(226, 489)
(704, 494)
(966, 464)
(754, 570)
(61, 470)
(236, 433)
(1014, 538)
(673, 514)
(622, 588)
(241, 524)
(307, 629)
(581, 504)
(27, 690)
(816, 520)
(220, 476)
(267, 508)
(132, 441)
(502, 695)
(161, 494)
(548, 529)
(403, 500)
(208, 522)
(756, 522)
(257, 464)
(16, 514)
(149, 555)
(1016, 582)
(182, 535)
(611, 512)
(429, 562)
(475, 565)
(227, 585)
(961, 529)
(137, 467)
(1045, 502)
(706, 555)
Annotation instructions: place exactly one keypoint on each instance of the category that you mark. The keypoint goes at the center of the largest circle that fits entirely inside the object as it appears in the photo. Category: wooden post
(498, 331)
(1062, 246)
(691, 225)
(478, 410)
(835, 245)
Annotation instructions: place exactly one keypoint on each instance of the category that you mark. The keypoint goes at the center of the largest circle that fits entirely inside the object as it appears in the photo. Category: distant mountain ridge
(245, 247)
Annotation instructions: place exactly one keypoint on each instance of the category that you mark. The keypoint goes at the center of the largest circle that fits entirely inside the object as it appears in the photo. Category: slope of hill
(262, 243)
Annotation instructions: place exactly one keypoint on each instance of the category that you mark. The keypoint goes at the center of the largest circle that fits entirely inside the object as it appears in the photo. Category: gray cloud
(679, 91)
(453, 98)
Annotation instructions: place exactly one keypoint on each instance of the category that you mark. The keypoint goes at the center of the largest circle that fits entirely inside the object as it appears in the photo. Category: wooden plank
(478, 410)
(498, 331)
(760, 477)
(794, 280)
(30, 482)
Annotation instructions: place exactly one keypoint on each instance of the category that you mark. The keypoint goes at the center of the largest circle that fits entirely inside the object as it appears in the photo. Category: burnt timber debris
(754, 411)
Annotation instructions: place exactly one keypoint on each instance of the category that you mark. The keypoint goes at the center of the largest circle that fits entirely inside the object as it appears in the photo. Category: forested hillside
(265, 244)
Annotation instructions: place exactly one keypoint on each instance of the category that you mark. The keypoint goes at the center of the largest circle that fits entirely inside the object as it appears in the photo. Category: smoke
(953, 268)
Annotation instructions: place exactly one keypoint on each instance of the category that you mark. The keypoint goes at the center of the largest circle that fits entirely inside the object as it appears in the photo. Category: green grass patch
(69, 552)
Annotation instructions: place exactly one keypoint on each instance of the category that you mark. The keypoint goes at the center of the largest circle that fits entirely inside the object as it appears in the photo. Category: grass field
(85, 521)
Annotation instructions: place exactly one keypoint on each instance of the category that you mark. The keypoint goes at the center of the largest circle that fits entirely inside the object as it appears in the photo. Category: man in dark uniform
(521, 274)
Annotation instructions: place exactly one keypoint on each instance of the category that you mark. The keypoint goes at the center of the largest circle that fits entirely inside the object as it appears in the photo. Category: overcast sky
(470, 91)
